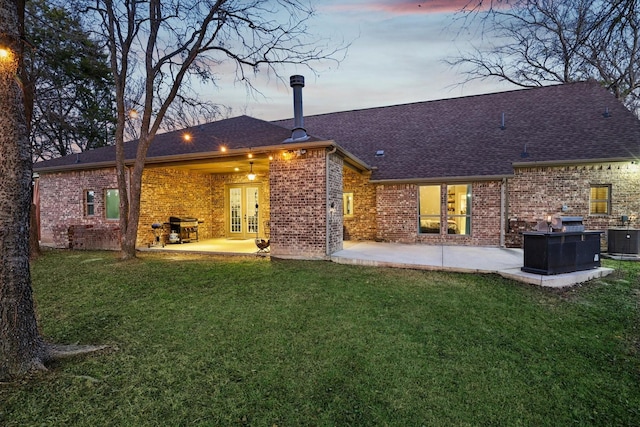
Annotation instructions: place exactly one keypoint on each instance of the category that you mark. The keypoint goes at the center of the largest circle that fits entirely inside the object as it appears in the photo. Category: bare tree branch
(539, 42)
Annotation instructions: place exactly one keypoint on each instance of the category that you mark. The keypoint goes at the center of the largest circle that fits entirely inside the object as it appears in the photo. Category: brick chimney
(298, 133)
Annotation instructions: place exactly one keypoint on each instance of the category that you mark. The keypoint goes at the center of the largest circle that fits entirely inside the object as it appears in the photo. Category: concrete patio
(466, 259)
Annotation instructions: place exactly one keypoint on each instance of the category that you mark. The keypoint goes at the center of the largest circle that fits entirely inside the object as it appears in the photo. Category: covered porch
(292, 197)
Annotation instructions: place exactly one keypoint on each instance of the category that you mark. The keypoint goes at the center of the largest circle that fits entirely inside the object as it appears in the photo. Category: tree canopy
(68, 73)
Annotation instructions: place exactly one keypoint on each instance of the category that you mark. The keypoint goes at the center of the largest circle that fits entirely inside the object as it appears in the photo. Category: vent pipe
(298, 132)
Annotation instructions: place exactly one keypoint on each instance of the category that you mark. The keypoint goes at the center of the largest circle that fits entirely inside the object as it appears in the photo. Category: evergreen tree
(68, 74)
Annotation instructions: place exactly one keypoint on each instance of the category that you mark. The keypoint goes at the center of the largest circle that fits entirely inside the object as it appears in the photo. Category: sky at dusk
(396, 56)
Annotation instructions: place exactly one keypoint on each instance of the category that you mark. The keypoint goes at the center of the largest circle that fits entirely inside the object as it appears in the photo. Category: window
(112, 203)
(459, 209)
(89, 203)
(429, 205)
(600, 200)
(347, 204)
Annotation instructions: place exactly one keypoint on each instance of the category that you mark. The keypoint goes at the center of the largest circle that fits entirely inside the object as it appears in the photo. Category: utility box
(623, 241)
(561, 252)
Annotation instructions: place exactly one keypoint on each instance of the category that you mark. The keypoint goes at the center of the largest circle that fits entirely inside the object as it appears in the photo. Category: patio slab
(466, 259)
(209, 246)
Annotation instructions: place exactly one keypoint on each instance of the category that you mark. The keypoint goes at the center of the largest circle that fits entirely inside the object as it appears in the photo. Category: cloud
(402, 7)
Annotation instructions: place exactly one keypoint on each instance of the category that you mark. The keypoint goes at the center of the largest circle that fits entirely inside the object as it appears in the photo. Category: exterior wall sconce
(251, 176)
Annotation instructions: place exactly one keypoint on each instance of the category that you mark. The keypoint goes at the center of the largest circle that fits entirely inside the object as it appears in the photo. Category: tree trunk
(130, 234)
(21, 347)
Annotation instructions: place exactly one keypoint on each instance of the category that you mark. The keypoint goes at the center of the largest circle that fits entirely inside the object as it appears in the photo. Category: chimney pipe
(298, 132)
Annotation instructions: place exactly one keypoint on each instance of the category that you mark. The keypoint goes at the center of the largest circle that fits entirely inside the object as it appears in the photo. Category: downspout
(328, 209)
(503, 211)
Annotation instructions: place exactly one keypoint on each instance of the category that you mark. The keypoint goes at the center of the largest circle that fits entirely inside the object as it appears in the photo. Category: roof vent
(524, 153)
(606, 113)
(379, 153)
(502, 122)
(298, 133)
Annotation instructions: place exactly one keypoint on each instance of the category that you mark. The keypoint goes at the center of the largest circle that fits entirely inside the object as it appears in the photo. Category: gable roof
(462, 137)
(236, 134)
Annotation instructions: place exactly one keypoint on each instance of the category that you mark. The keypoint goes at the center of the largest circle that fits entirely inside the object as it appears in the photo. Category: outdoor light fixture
(251, 175)
(186, 137)
(8, 61)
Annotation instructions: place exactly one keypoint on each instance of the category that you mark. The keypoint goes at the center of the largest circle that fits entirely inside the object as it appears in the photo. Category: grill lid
(178, 219)
(567, 223)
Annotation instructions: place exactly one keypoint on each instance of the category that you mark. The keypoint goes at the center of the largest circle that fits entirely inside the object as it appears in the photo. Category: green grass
(214, 341)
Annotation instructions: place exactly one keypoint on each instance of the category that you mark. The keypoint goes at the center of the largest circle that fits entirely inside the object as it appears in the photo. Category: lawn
(212, 341)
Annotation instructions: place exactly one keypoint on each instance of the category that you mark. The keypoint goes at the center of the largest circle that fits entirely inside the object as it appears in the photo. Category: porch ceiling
(221, 165)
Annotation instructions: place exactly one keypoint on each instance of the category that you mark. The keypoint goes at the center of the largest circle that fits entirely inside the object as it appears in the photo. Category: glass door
(243, 216)
(252, 211)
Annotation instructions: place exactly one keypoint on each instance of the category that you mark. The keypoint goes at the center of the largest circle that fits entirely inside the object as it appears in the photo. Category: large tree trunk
(28, 95)
(21, 347)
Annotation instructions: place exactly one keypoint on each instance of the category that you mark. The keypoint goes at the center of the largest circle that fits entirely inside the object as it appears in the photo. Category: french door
(243, 212)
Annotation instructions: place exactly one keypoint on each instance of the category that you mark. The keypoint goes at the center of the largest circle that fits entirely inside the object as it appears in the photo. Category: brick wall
(165, 192)
(485, 213)
(298, 204)
(293, 200)
(397, 214)
(362, 225)
(535, 193)
(62, 203)
(170, 192)
(89, 237)
(335, 185)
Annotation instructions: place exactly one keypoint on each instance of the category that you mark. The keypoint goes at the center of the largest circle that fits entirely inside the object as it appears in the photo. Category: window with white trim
(89, 203)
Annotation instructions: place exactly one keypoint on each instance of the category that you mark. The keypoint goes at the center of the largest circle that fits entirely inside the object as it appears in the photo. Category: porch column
(303, 222)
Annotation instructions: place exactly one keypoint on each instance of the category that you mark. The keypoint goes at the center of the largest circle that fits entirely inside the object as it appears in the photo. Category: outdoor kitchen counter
(561, 252)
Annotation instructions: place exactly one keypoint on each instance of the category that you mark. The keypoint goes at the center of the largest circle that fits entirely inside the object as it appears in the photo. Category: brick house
(475, 170)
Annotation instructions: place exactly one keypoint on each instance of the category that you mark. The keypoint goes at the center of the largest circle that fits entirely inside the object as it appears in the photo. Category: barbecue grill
(567, 224)
(185, 228)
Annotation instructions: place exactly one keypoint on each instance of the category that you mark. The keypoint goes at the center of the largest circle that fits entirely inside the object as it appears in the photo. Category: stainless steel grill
(183, 229)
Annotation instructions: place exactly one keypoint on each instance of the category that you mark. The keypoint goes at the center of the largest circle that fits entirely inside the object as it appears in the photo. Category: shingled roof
(463, 137)
(434, 140)
(238, 133)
